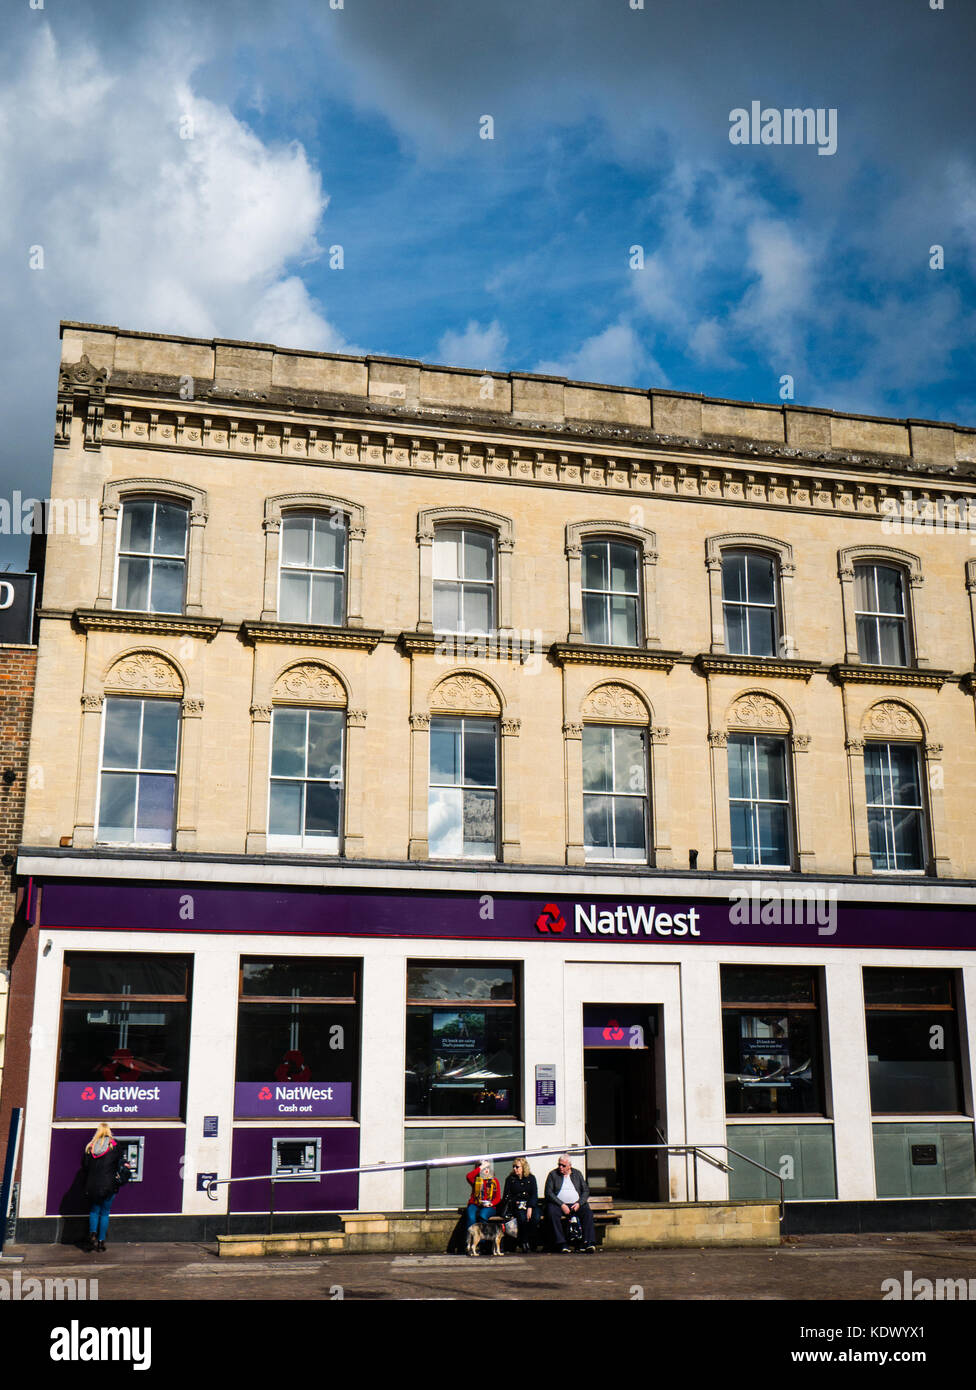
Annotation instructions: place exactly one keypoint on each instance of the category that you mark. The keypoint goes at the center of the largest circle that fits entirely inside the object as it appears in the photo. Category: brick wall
(17, 671)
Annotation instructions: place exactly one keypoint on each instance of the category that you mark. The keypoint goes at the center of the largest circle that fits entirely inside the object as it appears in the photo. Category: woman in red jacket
(485, 1192)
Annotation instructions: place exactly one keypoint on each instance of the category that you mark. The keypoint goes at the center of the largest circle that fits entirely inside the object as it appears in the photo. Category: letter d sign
(6, 594)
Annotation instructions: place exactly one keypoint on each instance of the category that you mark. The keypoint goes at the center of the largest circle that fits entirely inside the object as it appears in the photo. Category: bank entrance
(621, 1102)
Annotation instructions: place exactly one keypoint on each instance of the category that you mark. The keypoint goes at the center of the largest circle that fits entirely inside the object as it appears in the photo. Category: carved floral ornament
(310, 682)
(758, 712)
(893, 720)
(144, 673)
(615, 702)
(467, 694)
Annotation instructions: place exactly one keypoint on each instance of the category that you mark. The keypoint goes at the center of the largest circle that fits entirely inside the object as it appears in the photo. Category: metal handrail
(697, 1151)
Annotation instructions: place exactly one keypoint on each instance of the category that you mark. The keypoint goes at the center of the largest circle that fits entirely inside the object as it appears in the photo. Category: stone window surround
(911, 567)
(465, 693)
(336, 693)
(658, 771)
(142, 673)
(578, 532)
(760, 717)
(156, 489)
(911, 728)
(274, 510)
(782, 553)
(503, 530)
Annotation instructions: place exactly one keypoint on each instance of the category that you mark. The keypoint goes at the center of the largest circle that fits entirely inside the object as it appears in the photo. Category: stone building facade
(495, 721)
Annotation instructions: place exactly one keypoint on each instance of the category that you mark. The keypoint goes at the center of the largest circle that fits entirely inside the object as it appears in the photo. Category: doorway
(620, 1098)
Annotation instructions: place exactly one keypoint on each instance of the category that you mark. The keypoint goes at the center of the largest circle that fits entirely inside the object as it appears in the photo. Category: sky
(531, 185)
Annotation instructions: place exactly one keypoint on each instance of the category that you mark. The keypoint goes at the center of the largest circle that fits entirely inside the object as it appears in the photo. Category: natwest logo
(613, 1031)
(550, 919)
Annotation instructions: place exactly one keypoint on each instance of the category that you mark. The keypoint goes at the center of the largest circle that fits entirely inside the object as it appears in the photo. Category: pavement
(806, 1268)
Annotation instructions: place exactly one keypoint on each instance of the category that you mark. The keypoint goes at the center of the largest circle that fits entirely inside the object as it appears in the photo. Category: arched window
(312, 579)
(611, 592)
(152, 554)
(881, 615)
(464, 569)
(137, 784)
(750, 584)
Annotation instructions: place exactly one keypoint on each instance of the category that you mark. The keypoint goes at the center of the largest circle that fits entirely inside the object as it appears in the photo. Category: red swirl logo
(550, 919)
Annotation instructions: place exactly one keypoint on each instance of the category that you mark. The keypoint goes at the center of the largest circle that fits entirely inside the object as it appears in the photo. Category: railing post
(271, 1212)
(694, 1156)
(427, 1189)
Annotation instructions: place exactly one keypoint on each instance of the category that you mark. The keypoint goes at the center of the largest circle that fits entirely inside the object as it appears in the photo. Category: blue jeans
(475, 1213)
(98, 1217)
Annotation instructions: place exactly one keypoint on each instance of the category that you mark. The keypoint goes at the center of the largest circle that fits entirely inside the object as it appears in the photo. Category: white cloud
(478, 346)
(615, 356)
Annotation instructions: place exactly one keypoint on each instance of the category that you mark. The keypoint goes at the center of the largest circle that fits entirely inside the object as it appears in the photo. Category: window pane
(321, 809)
(595, 573)
(325, 728)
(774, 835)
(629, 760)
(327, 606)
(905, 789)
(629, 827)
(477, 609)
(444, 823)
(597, 825)
(462, 982)
(597, 755)
(595, 619)
(329, 543)
(771, 769)
(623, 617)
(736, 631)
(479, 549)
(864, 591)
(890, 599)
(445, 751)
(314, 978)
(167, 586)
(734, 578)
(293, 603)
(744, 848)
(447, 611)
(285, 814)
(878, 839)
(117, 810)
(908, 840)
(155, 817)
(122, 722)
(740, 766)
(479, 754)
(134, 584)
(906, 1073)
(772, 1061)
(762, 632)
(137, 526)
(623, 569)
(891, 636)
(446, 547)
(461, 1061)
(288, 743)
(758, 984)
(761, 578)
(479, 823)
(160, 734)
(875, 765)
(867, 641)
(170, 536)
(296, 540)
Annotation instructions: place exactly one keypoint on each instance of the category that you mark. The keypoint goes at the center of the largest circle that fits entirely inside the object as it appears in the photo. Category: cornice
(583, 654)
(854, 673)
(718, 664)
(161, 624)
(307, 635)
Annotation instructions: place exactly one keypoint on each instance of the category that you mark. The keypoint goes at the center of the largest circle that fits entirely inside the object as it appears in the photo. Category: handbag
(511, 1227)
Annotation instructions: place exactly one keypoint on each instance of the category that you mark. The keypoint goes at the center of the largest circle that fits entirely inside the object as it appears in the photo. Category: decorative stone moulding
(582, 654)
(858, 674)
(617, 703)
(758, 712)
(465, 694)
(306, 635)
(144, 673)
(889, 719)
(767, 666)
(309, 683)
(161, 624)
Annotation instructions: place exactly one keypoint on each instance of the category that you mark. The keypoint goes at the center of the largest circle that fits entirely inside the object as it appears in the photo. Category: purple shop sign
(105, 1100)
(614, 1034)
(285, 1099)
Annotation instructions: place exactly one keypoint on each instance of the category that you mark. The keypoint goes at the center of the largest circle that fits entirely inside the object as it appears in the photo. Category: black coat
(520, 1190)
(103, 1173)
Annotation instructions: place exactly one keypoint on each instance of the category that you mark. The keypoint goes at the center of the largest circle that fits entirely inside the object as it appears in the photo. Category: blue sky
(313, 127)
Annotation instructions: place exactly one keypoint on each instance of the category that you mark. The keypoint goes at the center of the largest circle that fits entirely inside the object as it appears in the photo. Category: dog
(490, 1231)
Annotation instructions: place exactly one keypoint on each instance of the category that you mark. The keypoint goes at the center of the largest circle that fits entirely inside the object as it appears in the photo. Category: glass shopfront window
(463, 1034)
(124, 1036)
(298, 1024)
(771, 1037)
(913, 1042)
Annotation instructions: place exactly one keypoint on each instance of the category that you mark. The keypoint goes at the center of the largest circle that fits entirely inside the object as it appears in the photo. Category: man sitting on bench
(566, 1194)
